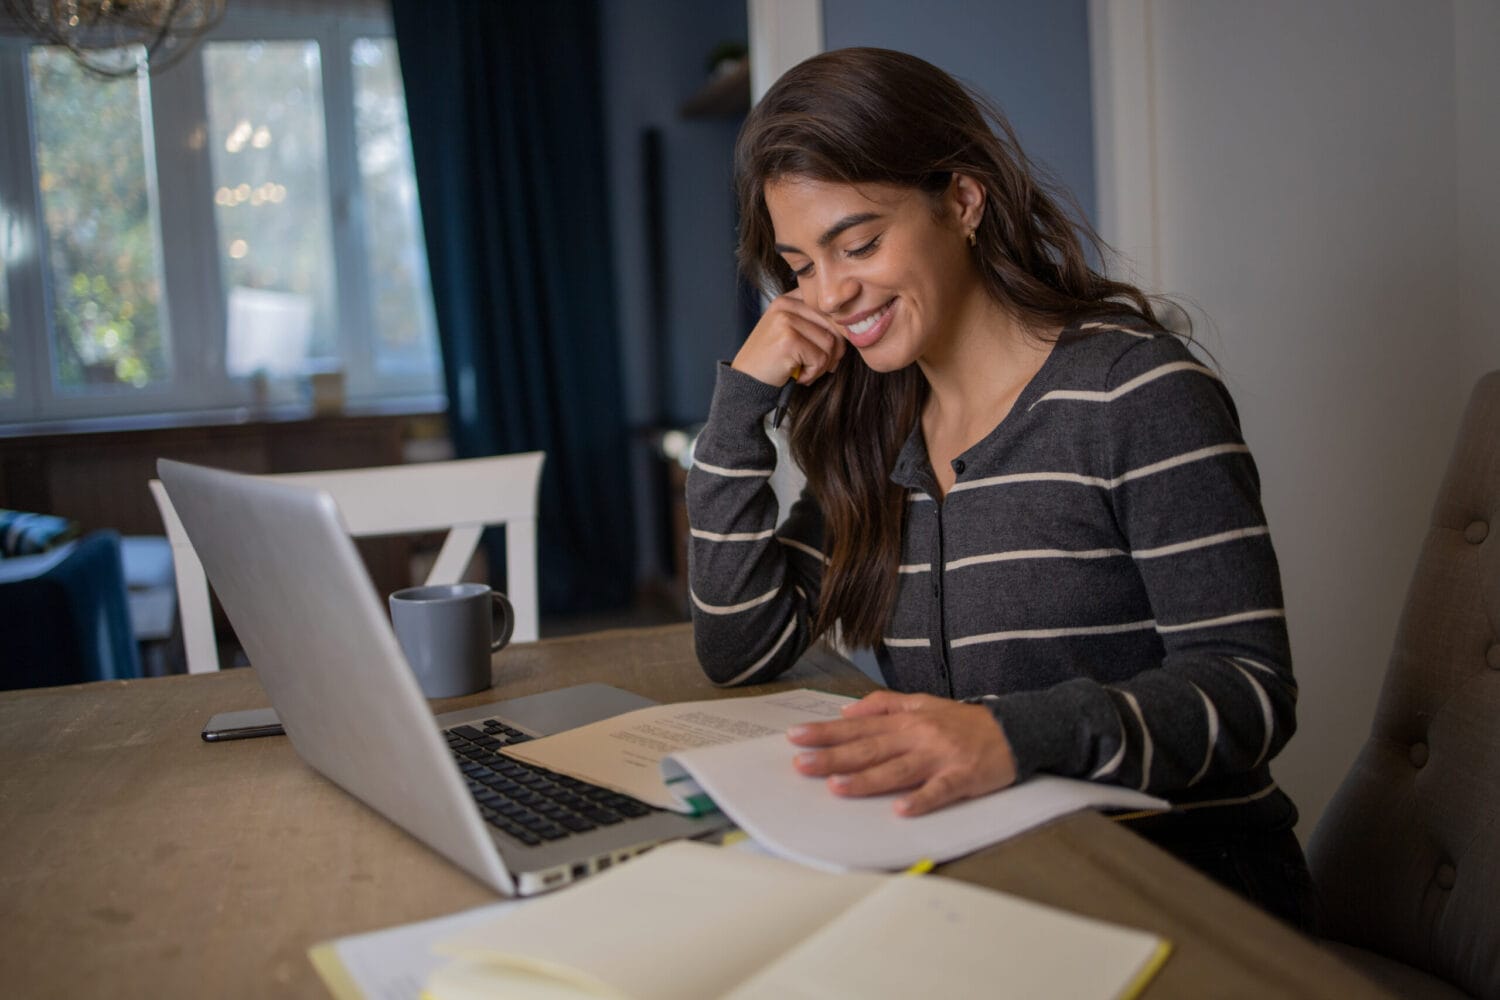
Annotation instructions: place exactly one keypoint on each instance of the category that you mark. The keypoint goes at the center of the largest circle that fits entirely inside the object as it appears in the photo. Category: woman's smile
(869, 328)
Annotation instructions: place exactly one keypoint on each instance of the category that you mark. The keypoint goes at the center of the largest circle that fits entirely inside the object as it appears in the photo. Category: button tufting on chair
(1492, 656)
(1476, 532)
(1446, 876)
(1417, 754)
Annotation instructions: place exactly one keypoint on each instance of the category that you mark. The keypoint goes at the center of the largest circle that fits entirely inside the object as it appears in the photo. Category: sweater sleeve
(753, 585)
(1186, 497)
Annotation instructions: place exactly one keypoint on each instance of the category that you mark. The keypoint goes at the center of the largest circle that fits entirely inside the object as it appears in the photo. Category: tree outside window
(98, 203)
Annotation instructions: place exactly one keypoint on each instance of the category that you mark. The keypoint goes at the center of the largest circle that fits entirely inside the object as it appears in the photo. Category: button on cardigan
(1101, 577)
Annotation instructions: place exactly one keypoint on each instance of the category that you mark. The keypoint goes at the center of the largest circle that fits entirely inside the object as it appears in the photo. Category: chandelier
(100, 33)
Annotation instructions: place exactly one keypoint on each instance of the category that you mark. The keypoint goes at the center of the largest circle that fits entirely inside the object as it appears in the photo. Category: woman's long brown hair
(865, 115)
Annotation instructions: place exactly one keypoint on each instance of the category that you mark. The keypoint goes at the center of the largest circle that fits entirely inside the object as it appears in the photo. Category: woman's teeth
(868, 323)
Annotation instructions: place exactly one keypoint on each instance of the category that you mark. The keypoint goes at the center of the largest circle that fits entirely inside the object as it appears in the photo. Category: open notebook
(690, 922)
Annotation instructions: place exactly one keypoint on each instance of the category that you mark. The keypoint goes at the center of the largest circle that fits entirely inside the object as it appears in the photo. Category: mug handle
(507, 618)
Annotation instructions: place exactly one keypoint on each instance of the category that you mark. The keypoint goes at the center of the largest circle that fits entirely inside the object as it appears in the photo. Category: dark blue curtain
(507, 130)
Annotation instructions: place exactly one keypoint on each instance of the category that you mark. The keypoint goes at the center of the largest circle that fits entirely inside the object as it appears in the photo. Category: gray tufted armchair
(1407, 855)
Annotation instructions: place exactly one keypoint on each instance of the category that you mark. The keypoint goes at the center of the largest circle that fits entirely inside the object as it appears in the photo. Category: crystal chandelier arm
(93, 29)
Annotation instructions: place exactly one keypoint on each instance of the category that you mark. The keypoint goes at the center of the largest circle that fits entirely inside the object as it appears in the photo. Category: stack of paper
(734, 753)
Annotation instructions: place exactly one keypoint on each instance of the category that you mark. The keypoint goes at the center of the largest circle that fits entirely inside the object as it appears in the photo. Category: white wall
(1477, 77)
(1319, 178)
(782, 34)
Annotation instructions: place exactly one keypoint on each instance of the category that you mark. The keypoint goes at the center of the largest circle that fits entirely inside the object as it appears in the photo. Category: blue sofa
(65, 616)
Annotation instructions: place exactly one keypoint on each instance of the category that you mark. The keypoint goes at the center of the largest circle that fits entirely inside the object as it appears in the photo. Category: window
(7, 365)
(270, 176)
(98, 205)
(405, 329)
(213, 235)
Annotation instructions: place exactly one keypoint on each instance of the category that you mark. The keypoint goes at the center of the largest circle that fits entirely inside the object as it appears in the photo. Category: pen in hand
(785, 398)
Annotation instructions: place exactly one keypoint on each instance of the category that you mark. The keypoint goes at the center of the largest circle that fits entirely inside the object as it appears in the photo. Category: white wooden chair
(464, 496)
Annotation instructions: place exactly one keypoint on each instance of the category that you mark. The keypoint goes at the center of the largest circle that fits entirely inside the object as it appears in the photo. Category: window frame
(193, 298)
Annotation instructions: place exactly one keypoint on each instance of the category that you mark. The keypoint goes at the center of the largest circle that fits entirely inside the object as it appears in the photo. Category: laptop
(294, 587)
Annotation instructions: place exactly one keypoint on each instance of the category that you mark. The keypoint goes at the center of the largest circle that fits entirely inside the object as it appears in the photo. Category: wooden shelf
(725, 95)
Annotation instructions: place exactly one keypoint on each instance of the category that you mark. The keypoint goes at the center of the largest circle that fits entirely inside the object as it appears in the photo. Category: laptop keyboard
(530, 803)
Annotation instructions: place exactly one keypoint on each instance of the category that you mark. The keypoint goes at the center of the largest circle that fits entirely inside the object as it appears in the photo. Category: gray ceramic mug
(449, 632)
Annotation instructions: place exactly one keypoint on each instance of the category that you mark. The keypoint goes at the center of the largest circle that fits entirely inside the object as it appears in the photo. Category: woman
(1025, 494)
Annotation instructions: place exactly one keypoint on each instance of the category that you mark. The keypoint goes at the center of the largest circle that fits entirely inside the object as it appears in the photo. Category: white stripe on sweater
(1108, 484)
(1113, 764)
(1110, 395)
(1135, 707)
(905, 643)
(1026, 477)
(1235, 619)
(749, 671)
(914, 568)
(792, 543)
(1290, 683)
(1059, 633)
(1200, 543)
(1177, 460)
(1265, 712)
(1052, 633)
(738, 536)
(1033, 554)
(1212, 721)
(732, 609)
(1099, 325)
(719, 470)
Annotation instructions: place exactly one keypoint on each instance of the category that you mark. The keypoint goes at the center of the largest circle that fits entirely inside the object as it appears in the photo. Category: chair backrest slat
(462, 496)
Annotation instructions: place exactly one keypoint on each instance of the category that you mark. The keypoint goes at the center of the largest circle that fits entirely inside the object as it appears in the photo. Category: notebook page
(935, 937)
(392, 964)
(684, 922)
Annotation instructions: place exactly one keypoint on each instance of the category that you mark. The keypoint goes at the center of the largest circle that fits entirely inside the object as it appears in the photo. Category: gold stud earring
(973, 238)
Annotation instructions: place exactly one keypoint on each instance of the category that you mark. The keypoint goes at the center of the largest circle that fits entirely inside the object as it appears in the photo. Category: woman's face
(890, 265)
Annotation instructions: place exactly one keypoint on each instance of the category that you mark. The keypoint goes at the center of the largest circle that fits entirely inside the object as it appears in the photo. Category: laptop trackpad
(554, 711)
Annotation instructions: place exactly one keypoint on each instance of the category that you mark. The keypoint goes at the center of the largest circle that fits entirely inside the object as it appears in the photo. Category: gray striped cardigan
(1100, 576)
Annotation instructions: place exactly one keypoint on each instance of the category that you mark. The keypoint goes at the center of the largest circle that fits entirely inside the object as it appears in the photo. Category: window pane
(405, 331)
(98, 187)
(7, 357)
(266, 140)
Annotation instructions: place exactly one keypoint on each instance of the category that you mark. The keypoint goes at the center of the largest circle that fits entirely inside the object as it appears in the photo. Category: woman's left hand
(944, 750)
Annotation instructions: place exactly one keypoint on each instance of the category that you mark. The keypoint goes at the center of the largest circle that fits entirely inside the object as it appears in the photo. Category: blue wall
(1030, 57)
(655, 58)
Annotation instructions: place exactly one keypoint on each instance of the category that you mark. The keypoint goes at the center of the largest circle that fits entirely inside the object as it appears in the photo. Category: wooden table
(137, 860)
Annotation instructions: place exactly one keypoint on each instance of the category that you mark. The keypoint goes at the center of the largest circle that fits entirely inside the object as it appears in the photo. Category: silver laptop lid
(298, 595)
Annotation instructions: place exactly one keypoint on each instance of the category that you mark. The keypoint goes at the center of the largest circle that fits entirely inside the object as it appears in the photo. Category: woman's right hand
(791, 338)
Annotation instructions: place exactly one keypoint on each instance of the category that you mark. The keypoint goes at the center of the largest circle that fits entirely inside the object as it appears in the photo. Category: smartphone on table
(242, 725)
